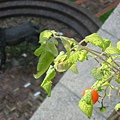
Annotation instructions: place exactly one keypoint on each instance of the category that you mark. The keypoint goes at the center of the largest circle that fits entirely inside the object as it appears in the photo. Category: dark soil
(18, 88)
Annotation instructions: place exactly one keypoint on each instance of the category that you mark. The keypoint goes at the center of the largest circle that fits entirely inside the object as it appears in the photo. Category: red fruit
(95, 95)
(119, 76)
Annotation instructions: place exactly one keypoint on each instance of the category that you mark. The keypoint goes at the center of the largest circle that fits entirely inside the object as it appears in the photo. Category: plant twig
(89, 50)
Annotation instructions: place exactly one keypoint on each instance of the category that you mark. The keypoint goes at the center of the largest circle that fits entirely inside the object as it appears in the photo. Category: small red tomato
(95, 95)
(119, 76)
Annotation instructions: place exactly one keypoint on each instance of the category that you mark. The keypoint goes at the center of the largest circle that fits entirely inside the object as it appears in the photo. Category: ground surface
(19, 91)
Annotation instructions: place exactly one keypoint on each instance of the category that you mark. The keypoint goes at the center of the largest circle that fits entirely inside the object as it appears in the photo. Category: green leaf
(44, 62)
(88, 97)
(112, 50)
(62, 56)
(58, 62)
(47, 87)
(74, 69)
(95, 39)
(97, 85)
(103, 109)
(53, 40)
(99, 89)
(86, 105)
(54, 32)
(118, 45)
(72, 42)
(74, 55)
(82, 55)
(105, 65)
(106, 84)
(52, 48)
(62, 66)
(66, 44)
(118, 80)
(107, 43)
(97, 73)
(47, 82)
(40, 50)
(63, 62)
(117, 107)
(44, 36)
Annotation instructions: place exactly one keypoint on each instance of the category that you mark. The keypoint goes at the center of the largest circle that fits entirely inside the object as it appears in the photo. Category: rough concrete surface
(66, 94)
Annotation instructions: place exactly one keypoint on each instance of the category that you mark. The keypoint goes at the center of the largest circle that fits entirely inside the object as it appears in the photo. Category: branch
(91, 51)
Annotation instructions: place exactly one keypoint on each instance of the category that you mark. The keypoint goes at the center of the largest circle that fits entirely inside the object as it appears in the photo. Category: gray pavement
(63, 104)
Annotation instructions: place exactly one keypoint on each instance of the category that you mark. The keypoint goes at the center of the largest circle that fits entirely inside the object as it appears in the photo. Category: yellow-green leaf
(103, 109)
(106, 44)
(112, 50)
(40, 50)
(44, 36)
(43, 64)
(95, 39)
(47, 82)
(47, 87)
(97, 73)
(52, 48)
(118, 80)
(106, 84)
(86, 104)
(82, 55)
(117, 107)
(118, 45)
(74, 69)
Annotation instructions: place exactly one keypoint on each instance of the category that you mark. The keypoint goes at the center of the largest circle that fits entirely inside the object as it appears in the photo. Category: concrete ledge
(63, 105)
(77, 83)
(112, 24)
